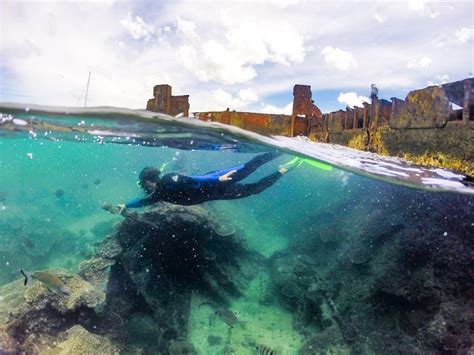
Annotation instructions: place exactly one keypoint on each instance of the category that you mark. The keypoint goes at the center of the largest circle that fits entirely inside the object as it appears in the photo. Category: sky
(242, 55)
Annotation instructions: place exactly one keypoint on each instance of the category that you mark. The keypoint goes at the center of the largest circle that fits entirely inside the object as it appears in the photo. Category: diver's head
(148, 179)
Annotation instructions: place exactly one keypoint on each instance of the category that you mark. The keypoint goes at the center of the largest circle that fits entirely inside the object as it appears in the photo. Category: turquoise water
(324, 261)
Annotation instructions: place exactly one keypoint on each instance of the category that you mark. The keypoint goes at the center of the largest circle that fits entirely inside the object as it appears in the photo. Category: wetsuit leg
(253, 165)
(233, 191)
(242, 170)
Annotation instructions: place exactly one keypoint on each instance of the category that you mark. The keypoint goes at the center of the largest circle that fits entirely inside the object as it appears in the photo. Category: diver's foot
(282, 170)
(293, 163)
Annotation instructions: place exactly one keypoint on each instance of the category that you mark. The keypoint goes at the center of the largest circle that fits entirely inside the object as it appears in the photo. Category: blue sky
(244, 55)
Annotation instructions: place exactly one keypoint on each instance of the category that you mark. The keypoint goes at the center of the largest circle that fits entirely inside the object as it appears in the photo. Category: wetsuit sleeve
(140, 202)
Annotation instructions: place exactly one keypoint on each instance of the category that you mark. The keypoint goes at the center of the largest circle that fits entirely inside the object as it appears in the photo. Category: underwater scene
(229, 243)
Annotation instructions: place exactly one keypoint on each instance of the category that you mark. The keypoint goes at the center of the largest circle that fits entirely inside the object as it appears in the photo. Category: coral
(35, 311)
(143, 330)
(79, 341)
(160, 258)
(331, 233)
(394, 276)
(181, 347)
(7, 343)
(359, 255)
(329, 341)
(94, 270)
(110, 248)
(300, 289)
(83, 294)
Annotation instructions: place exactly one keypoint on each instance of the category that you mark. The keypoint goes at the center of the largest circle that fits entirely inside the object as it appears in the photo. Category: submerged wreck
(383, 284)
(432, 126)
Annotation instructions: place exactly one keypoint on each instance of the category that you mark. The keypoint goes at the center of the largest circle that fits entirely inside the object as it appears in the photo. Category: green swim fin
(293, 163)
(316, 164)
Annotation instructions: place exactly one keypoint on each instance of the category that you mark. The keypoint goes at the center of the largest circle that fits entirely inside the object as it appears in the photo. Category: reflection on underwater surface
(324, 261)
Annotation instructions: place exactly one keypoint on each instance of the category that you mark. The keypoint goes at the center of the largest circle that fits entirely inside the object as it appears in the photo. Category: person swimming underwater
(215, 185)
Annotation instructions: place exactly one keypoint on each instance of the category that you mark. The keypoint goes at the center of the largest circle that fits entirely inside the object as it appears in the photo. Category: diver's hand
(226, 177)
(114, 209)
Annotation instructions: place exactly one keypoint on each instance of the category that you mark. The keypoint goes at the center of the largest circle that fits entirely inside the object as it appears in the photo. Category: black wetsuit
(191, 190)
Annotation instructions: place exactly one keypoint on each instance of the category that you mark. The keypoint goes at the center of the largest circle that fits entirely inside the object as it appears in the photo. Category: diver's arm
(140, 202)
(136, 203)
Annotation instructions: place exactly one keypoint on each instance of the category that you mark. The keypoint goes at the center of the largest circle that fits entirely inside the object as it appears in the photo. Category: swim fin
(297, 161)
(293, 163)
(316, 164)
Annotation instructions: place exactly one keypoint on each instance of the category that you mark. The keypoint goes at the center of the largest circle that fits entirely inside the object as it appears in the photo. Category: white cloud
(379, 17)
(465, 34)
(187, 28)
(282, 3)
(424, 8)
(137, 28)
(122, 74)
(218, 63)
(416, 5)
(223, 100)
(285, 45)
(379, 12)
(188, 57)
(248, 95)
(220, 100)
(421, 63)
(232, 60)
(342, 60)
(351, 99)
(439, 80)
(286, 110)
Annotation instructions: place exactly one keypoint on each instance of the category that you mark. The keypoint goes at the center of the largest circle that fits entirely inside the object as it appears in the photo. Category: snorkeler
(216, 185)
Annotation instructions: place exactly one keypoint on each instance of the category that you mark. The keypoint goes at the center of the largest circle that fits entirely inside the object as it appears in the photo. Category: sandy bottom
(258, 324)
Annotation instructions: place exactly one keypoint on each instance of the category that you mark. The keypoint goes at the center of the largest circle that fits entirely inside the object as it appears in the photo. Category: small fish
(84, 186)
(3, 196)
(59, 193)
(264, 350)
(51, 281)
(227, 316)
(97, 182)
